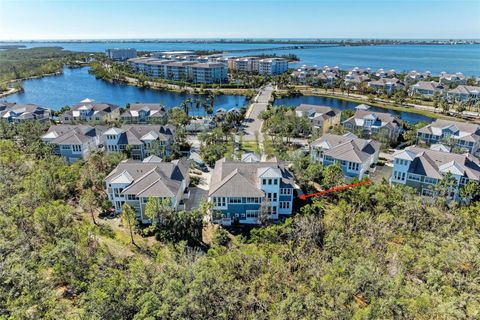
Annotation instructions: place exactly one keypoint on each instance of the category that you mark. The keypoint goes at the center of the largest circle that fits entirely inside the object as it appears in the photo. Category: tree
(158, 211)
(470, 191)
(129, 218)
(333, 176)
(444, 188)
(88, 202)
(264, 212)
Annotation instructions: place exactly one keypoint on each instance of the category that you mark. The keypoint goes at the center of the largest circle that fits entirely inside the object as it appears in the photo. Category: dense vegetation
(372, 252)
(24, 63)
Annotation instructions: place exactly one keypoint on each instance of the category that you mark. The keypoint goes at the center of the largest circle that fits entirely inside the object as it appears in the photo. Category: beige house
(323, 118)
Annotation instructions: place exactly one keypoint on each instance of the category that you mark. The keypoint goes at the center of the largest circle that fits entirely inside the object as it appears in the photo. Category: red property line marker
(334, 189)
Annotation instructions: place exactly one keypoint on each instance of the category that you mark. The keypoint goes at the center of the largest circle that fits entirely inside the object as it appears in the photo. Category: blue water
(434, 58)
(75, 85)
(347, 105)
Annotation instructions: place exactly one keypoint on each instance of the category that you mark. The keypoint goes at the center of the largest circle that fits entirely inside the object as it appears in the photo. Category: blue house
(238, 190)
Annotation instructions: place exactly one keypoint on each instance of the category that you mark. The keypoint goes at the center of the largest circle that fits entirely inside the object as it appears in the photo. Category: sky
(124, 19)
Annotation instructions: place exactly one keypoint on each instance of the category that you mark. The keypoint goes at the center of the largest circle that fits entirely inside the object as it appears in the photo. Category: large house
(15, 113)
(145, 113)
(388, 85)
(464, 93)
(74, 142)
(371, 122)
(90, 111)
(238, 191)
(355, 155)
(135, 182)
(426, 88)
(414, 76)
(140, 140)
(422, 169)
(452, 78)
(323, 118)
(462, 135)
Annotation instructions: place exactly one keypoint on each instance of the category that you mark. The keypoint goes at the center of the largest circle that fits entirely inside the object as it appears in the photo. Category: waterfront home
(356, 156)
(272, 66)
(140, 140)
(89, 110)
(121, 54)
(312, 74)
(426, 88)
(74, 142)
(16, 113)
(354, 80)
(459, 135)
(452, 78)
(144, 113)
(372, 122)
(136, 182)
(380, 73)
(422, 169)
(323, 118)
(388, 85)
(239, 190)
(464, 93)
(414, 76)
(360, 71)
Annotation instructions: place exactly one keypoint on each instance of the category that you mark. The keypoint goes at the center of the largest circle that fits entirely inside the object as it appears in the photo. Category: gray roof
(347, 147)
(241, 179)
(381, 118)
(464, 130)
(133, 133)
(435, 164)
(64, 134)
(23, 111)
(318, 111)
(152, 179)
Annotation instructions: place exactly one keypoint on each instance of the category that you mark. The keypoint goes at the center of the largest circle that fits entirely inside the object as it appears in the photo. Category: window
(77, 148)
(264, 181)
(275, 181)
(66, 147)
(401, 162)
(284, 205)
(285, 191)
(353, 166)
(252, 214)
(235, 200)
(430, 180)
(219, 201)
(414, 177)
(269, 181)
(132, 197)
(427, 192)
(400, 176)
(252, 200)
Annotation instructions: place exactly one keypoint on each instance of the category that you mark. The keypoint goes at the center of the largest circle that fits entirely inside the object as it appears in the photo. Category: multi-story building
(121, 54)
(246, 64)
(354, 80)
(464, 93)
(356, 156)
(272, 66)
(323, 118)
(381, 73)
(144, 113)
(140, 140)
(139, 64)
(452, 78)
(426, 88)
(136, 182)
(388, 85)
(414, 76)
(88, 110)
(461, 135)
(15, 113)
(422, 169)
(74, 142)
(239, 190)
(371, 122)
(209, 72)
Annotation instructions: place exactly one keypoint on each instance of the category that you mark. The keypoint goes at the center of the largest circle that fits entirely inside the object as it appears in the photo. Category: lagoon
(348, 105)
(77, 84)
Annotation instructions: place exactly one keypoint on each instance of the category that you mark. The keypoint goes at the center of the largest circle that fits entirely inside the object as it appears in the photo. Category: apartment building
(209, 72)
(272, 66)
(118, 54)
(246, 64)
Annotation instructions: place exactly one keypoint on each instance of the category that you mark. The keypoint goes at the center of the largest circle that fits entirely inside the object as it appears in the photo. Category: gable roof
(347, 147)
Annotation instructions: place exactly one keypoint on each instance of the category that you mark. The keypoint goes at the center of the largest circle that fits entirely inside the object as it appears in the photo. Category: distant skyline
(164, 19)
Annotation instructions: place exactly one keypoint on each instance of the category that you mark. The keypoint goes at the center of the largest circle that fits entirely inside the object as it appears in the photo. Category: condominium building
(136, 182)
(238, 190)
(422, 169)
(272, 66)
(246, 64)
(461, 135)
(210, 72)
(323, 118)
(121, 54)
(355, 156)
